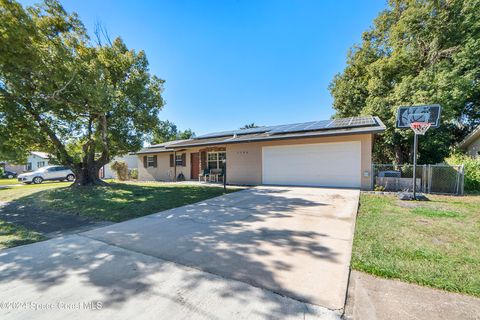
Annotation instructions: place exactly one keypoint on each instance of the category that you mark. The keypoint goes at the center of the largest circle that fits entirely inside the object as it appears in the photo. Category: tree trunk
(398, 154)
(87, 175)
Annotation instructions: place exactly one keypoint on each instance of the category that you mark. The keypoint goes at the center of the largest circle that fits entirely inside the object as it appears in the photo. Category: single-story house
(35, 160)
(471, 143)
(330, 153)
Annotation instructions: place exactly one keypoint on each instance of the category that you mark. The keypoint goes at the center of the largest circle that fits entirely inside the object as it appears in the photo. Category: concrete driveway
(265, 252)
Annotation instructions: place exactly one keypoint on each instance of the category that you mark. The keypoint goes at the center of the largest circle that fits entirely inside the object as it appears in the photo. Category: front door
(195, 165)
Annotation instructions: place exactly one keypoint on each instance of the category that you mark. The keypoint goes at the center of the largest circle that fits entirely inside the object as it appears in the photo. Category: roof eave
(153, 151)
(475, 134)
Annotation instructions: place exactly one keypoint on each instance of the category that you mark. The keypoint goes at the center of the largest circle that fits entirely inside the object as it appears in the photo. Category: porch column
(174, 165)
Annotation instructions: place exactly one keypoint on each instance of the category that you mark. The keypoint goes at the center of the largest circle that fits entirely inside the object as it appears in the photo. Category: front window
(215, 159)
(28, 167)
(178, 160)
(41, 164)
(150, 161)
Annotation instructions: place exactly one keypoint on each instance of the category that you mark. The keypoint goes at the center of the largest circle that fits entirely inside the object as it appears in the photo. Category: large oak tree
(83, 101)
(417, 52)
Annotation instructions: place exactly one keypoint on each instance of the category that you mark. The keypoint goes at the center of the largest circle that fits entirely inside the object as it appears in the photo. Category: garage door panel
(324, 164)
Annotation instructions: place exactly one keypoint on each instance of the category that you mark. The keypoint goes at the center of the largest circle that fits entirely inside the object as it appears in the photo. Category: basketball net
(420, 127)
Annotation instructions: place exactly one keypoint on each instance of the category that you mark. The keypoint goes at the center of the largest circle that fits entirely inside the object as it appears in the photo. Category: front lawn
(117, 202)
(434, 243)
(4, 182)
(12, 235)
(25, 190)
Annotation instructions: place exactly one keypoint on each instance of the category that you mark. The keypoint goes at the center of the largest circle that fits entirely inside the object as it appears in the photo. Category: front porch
(206, 164)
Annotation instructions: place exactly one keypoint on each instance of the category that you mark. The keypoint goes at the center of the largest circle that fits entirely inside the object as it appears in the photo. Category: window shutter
(184, 159)
(155, 161)
(203, 160)
(144, 161)
(171, 160)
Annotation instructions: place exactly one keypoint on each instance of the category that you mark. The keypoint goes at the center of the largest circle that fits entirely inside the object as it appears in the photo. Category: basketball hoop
(420, 127)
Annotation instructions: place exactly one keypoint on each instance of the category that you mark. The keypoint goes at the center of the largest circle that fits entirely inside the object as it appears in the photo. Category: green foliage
(249, 126)
(418, 52)
(133, 173)
(168, 131)
(471, 169)
(121, 169)
(83, 102)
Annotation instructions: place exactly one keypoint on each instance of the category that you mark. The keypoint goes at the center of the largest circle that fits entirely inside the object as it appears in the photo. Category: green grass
(117, 202)
(4, 182)
(25, 190)
(434, 243)
(12, 235)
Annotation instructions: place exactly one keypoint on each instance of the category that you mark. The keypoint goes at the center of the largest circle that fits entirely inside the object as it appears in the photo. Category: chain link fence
(439, 178)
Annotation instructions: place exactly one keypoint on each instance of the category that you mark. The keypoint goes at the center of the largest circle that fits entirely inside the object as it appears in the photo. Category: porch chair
(205, 174)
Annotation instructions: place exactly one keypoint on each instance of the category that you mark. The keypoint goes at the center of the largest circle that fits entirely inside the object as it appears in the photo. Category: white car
(58, 173)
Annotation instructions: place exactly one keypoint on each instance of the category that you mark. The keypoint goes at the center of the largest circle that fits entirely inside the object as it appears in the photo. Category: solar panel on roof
(233, 132)
(352, 122)
(292, 127)
(299, 127)
(326, 124)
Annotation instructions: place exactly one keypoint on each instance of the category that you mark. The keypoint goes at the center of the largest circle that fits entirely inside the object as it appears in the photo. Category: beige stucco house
(330, 153)
(471, 143)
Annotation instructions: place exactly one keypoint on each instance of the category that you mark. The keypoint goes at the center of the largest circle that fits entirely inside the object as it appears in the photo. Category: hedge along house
(328, 153)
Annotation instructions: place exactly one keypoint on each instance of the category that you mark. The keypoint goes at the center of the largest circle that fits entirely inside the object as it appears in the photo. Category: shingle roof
(339, 126)
(40, 154)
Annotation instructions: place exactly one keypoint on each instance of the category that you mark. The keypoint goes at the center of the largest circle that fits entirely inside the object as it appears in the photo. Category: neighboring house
(35, 160)
(332, 153)
(471, 143)
(130, 159)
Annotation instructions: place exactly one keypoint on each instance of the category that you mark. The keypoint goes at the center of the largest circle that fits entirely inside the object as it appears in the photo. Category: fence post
(372, 176)
(457, 189)
(429, 178)
(462, 180)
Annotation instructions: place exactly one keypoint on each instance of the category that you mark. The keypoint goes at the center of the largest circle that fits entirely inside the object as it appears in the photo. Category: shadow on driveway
(270, 238)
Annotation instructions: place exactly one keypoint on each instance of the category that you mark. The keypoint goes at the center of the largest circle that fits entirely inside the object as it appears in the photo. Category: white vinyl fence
(439, 178)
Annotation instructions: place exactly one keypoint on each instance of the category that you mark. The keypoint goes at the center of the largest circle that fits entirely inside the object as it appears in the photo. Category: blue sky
(230, 62)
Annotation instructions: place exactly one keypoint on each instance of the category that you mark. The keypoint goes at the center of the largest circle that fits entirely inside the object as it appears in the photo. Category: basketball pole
(415, 144)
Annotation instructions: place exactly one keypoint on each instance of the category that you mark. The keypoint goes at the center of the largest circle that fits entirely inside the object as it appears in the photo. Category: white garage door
(321, 164)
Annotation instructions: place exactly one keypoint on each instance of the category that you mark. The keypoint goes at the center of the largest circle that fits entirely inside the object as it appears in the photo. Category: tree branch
(51, 134)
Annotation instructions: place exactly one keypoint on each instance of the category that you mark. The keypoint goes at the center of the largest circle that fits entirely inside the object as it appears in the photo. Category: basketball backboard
(425, 113)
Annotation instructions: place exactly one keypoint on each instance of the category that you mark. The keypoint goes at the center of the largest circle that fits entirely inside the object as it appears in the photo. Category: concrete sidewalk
(79, 278)
(373, 298)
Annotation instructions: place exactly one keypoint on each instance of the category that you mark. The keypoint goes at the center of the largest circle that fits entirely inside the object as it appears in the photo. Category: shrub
(471, 169)
(1, 172)
(133, 174)
(121, 168)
